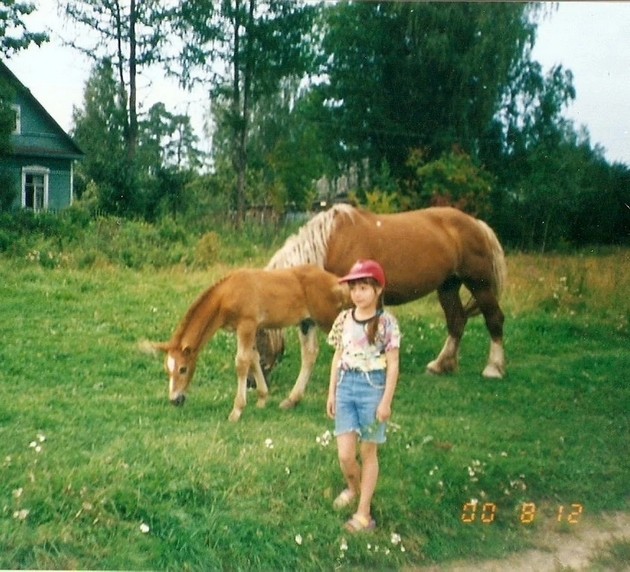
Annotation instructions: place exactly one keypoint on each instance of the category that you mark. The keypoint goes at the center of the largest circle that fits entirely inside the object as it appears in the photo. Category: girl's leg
(347, 451)
(369, 477)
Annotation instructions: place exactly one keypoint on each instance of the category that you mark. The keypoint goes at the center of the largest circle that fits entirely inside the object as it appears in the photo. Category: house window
(17, 128)
(35, 188)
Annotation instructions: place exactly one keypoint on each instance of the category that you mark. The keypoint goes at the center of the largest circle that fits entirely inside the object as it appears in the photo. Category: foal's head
(180, 366)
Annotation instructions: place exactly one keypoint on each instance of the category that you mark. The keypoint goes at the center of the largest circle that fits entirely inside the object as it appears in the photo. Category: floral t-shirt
(350, 336)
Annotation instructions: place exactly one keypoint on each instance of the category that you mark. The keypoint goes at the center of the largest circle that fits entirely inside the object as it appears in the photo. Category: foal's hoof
(492, 371)
(288, 404)
(235, 415)
(261, 403)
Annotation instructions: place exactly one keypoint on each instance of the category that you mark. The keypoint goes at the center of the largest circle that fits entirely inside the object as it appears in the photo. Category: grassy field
(99, 471)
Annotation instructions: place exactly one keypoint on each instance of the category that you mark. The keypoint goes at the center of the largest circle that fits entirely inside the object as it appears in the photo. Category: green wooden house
(42, 155)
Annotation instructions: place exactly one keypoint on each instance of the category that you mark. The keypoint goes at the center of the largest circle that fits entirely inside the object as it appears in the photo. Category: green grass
(90, 448)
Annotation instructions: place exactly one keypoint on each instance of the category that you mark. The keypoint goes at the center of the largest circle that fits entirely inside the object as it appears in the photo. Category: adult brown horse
(438, 248)
(244, 301)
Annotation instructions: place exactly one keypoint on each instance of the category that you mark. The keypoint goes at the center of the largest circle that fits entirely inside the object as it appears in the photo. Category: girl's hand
(331, 406)
(383, 412)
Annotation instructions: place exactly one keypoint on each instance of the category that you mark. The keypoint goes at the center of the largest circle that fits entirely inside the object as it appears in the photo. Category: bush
(208, 249)
(8, 190)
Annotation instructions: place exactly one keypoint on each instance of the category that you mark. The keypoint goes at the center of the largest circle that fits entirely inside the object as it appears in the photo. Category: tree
(245, 48)
(535, 156)
(402, 76)
(167, 157)
(129, 36)
(452, 180)
(99, 129)
(285, 147)
(14, 37)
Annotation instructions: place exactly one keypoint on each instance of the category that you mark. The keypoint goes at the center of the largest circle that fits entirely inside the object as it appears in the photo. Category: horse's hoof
(492, 371)
(261, 403)
(432, 369)
(288, 404)
(436, 367)
(235, 415)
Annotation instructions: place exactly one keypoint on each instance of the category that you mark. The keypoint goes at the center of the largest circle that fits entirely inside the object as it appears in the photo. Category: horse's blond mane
(310, 243)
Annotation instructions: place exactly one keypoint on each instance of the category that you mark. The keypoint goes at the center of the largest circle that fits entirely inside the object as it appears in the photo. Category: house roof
(25, 147)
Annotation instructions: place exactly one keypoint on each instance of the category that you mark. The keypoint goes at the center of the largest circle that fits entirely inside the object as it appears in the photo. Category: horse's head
(270, 346)
(179, 364)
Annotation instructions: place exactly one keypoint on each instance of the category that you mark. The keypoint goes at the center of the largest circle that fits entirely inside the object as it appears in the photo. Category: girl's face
(364, 296)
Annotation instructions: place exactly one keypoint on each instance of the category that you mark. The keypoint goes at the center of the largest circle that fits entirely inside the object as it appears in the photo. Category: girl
(363, 377)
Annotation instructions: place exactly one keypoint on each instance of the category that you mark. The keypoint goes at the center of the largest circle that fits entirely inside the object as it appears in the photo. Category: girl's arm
(384, 410)
(332, 386)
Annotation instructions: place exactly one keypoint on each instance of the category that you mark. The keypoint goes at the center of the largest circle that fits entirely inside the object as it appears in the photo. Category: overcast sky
(592, 39)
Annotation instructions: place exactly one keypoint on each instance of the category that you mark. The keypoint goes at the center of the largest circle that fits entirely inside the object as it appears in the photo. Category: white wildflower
(17, 493)
(41, 437)
(21, 514)
(298, 539)
(344, 545)
(269, 443)
(396, 539)
(324, 439)
(144, 528)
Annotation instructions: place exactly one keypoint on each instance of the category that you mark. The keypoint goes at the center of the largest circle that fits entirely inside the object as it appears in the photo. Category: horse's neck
(201, 323)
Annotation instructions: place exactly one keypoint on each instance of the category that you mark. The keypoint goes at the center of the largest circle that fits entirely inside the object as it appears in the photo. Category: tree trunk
(133, 112)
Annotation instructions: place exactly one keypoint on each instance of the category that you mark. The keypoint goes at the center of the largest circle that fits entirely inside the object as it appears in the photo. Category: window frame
(17, 128)
(36, 170)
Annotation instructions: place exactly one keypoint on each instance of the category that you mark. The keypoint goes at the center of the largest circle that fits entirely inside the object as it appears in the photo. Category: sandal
(360, 523)
(344, 499)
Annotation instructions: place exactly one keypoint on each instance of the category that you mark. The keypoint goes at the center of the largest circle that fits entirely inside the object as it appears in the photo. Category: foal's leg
(447, 360)
(261, 385)
(309, 349)
(245, 357)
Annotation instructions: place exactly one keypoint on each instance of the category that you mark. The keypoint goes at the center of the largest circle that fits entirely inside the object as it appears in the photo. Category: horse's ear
(147, 347)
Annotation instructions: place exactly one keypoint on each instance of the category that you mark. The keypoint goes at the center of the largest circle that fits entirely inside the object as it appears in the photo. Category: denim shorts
(357, 398)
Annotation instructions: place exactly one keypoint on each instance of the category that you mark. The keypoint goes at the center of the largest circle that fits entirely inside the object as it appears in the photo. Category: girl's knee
(346, 457)
(369, 451)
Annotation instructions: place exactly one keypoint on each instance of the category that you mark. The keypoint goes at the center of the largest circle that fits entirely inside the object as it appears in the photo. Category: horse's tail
(499, 269)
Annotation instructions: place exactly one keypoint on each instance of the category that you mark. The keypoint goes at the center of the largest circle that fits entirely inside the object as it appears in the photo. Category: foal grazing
(244, 301)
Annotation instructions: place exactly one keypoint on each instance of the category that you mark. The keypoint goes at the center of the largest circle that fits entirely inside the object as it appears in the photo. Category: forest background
(390, 105)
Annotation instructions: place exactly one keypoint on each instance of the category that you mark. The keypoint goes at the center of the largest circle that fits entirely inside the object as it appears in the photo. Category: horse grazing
(244, 301)
(438, 248)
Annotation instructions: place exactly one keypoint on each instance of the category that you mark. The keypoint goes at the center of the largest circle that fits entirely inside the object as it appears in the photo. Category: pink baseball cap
(366, 269)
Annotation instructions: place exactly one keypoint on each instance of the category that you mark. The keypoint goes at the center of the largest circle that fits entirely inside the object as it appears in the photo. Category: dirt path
(558, 551)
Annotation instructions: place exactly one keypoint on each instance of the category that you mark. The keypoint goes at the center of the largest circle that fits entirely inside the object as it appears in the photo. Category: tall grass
(99, 471)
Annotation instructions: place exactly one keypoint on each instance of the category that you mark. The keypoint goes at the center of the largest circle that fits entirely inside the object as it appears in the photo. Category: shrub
(208, 249)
